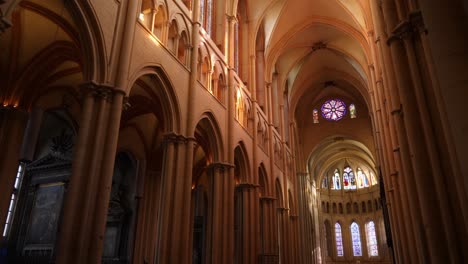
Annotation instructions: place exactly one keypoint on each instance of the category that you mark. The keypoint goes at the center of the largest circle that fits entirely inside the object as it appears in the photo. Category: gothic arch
(165, 95)
(207, 131)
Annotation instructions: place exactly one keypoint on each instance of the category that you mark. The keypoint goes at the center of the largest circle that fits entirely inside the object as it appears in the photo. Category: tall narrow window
(362, 180)
(371, 239)
(315, 116)
(349, 181)
(336, 185)
(352, 111)
(338, 240)
(206, 15)
(236, 45)
(13, 199)
(356, 239)
(325, 182)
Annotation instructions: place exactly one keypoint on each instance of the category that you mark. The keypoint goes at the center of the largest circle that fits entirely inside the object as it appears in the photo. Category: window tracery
(356, 239)
(333, 110)
(338, 240)
(349, 181)
(372, 247)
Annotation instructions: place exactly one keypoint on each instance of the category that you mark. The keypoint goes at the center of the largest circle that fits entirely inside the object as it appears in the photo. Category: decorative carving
(318, 46)
(407, 28)
(62, 144)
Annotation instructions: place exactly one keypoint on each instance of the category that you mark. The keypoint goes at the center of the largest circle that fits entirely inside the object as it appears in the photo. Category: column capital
(407, 28)
(173, 137)
(246, 186)
(231, 18)
(282, 209)
(267, 199)
(223, 166)
(100, 90)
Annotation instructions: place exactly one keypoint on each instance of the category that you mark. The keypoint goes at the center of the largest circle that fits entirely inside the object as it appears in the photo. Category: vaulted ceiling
(319, 49)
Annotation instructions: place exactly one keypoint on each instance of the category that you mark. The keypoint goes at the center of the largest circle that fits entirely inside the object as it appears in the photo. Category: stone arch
(78, 51)
(241, 163)
(279, 193)
(207, 131)
(164, 94)
(263, 180)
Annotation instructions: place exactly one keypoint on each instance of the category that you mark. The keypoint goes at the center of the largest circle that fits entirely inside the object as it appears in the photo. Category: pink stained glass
(333, 109)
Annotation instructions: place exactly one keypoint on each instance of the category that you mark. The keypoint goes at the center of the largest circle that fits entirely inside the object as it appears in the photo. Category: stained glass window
(325, 182)
(336, 185)
(362, 180)
(333, 109)
(315, 116)
(371, 239)
(373, 179)
(349, 181)
(338, 240)
(202, 12)
(352, 111)
(209, 12)
(356, 239)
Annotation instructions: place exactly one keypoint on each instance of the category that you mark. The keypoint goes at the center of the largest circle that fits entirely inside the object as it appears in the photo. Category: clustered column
(91, 179)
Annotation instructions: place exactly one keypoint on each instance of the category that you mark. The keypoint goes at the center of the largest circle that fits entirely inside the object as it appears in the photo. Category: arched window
(362, 180)
(356, 239)
(325, 182)
(236, 45)
(182, 48)
(206, 15)
(172, 37)
(338, 240)
(349, 181)
(352, 111)
(315, 116)
(372, 247)
(336, 180)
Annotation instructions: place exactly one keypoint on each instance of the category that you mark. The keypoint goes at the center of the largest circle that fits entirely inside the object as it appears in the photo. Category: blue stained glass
(356, 239)
(338, 240)
(371, 240)
(333, 109)
(336, 184)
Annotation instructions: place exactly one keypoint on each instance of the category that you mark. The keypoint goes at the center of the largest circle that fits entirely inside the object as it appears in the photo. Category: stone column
(221, 213)
(249, 235)
(283, 240)
(306, 231)
(85, 210)
(426, 189)
(401, 148)
(172, 208)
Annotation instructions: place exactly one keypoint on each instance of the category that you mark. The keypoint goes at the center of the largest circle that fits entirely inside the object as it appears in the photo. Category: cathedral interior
(233, 131)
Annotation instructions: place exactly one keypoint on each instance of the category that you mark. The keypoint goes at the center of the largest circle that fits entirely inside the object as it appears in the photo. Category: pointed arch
(263, 179)
(241, 163)
(162, 91)
(207, 131)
